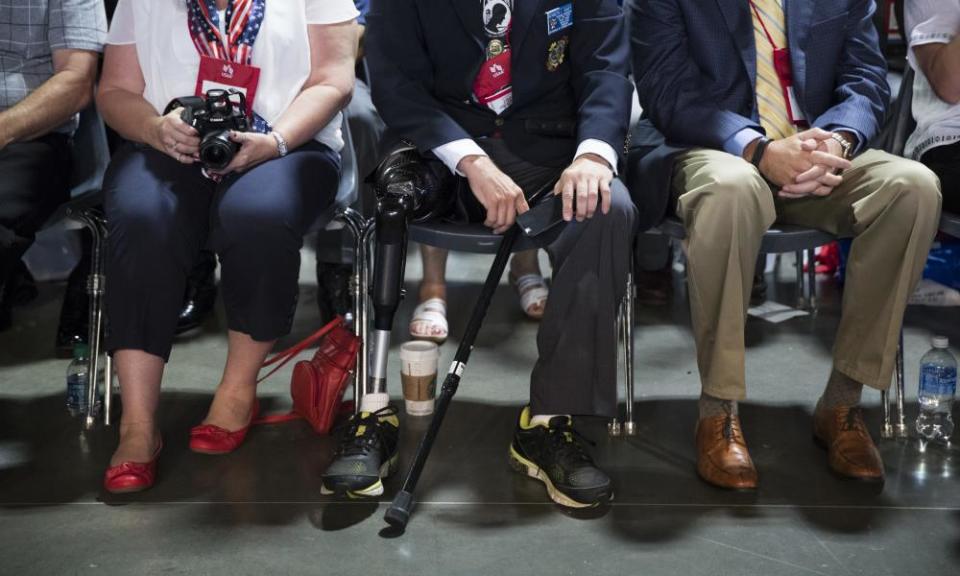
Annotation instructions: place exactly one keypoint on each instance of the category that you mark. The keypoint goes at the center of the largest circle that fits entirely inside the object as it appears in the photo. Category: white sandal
(533, 292)
(429, 321)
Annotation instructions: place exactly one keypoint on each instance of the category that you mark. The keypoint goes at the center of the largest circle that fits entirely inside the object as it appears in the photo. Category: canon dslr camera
(214, 117)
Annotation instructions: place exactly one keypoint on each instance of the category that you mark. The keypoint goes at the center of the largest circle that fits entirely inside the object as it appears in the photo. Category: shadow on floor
(48, 459)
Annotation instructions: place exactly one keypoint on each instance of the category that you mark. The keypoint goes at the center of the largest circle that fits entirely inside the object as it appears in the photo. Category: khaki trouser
(889, 205)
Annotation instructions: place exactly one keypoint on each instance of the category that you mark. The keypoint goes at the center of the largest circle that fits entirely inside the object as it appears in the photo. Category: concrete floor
(259, 510)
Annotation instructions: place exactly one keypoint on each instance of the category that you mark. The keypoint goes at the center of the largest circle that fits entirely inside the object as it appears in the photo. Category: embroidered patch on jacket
(559, 18)
(556, 53)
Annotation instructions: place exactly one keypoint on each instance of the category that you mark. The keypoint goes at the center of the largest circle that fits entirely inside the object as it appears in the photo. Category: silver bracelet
(281, 143)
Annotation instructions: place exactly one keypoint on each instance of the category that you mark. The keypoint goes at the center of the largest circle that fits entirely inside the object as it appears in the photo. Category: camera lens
(217, 150)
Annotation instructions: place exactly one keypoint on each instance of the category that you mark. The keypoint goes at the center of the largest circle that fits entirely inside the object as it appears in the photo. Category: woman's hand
(255, 149)
(175, 138)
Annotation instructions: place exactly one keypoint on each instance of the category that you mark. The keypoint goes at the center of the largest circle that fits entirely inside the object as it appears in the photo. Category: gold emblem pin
(494, 48)
(556, 53)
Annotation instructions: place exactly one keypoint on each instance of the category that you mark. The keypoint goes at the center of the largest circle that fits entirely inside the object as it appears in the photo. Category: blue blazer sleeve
(862, 93)
(402, 76)
(600, 64)
(669, 81)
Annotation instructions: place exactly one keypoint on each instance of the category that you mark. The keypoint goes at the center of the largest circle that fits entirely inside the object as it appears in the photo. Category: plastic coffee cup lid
(419, 350)
(941, 342)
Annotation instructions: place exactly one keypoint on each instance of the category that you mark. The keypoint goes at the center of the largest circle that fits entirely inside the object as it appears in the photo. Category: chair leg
(629, 427)
(812, 278)
(108, 391)
(614, 427)
(886, 431)
(96, 283)
(801, 303)
(894, 421)
(900, 426)
(359, 227)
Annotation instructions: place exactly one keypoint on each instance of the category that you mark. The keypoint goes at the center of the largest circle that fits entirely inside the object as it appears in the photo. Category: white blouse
(938, 123)
(170, 61)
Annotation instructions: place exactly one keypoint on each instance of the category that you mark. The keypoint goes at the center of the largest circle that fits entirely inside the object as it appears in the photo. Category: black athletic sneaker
(555, 455)
(366, 453)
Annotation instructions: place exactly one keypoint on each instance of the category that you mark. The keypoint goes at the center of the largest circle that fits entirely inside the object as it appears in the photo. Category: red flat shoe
(210, 439)
(128, 477)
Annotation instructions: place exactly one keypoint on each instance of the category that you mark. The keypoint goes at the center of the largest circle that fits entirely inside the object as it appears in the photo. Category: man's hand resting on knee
(582, 184)
(499, 194)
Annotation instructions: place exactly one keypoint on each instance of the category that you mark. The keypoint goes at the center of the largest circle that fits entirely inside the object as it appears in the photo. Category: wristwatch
(845, 144)
(281, 143)
(759, 151)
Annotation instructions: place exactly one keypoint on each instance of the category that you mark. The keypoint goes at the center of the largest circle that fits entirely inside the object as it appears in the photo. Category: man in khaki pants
(730, 89)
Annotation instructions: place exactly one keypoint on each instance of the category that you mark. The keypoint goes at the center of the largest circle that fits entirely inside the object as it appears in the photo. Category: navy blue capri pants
(160, 213)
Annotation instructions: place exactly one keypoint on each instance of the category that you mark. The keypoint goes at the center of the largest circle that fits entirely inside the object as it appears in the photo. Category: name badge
(559, 18)
(226, 75)
(492, 86)
(781, 64)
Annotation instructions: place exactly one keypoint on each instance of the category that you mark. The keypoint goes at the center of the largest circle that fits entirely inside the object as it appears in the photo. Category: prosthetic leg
(409, 188)
(395, 210)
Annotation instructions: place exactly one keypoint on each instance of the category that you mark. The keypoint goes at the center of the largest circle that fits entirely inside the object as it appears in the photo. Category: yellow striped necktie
(770, 103)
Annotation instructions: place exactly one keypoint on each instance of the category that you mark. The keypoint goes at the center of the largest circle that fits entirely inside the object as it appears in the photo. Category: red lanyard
(763, 25)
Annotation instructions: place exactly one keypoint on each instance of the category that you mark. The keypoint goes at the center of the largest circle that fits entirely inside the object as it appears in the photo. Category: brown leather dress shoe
(722, 456)
(850, 450)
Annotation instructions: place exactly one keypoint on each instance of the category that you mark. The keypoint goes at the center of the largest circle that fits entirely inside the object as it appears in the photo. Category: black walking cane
(398, 514)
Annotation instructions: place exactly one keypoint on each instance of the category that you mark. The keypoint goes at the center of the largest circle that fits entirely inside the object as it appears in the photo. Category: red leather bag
(318, 384)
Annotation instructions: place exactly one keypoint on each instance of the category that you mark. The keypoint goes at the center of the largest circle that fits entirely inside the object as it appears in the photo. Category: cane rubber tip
(398, 514)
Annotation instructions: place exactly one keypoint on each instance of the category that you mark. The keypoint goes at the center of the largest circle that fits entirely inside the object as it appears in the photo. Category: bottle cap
(81, 350)
(941, 342)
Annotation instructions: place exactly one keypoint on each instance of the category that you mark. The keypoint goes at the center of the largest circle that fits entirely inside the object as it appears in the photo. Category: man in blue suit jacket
(760, 111)
(514, 95)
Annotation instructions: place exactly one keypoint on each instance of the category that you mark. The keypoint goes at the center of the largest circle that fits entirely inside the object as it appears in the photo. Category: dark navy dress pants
(160, 215)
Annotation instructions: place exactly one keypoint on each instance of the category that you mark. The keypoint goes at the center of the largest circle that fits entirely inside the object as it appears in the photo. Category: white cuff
(452, 153)
(601, 149)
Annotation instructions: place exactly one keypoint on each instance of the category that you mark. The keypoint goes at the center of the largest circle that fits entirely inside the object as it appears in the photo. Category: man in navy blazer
(760, 111)
(515, 95)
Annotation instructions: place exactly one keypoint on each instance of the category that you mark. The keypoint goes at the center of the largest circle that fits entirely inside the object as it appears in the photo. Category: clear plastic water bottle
(938, 384)
(77, 382)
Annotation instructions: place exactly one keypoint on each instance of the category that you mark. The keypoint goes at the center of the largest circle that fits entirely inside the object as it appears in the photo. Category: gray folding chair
(893, 138)
(91, 154)
(950, 224)
(782, 238)
(341, 215)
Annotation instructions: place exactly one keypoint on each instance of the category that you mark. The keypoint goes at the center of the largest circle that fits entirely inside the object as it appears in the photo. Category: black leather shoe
(333, 296)
(74, 325)
(201, 293)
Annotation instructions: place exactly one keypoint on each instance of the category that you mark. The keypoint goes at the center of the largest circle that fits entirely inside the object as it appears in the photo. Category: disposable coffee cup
(418, 372)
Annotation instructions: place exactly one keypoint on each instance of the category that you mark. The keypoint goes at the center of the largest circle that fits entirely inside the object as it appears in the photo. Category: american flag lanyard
(243, 21)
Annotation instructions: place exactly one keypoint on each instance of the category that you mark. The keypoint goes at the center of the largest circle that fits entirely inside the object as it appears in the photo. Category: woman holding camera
(177, 185)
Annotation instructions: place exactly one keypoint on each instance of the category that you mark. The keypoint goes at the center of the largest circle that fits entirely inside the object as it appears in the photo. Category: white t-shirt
(170, 61)
(938, 123)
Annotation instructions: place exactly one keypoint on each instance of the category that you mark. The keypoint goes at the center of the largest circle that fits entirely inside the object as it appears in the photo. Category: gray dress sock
(711, 406)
